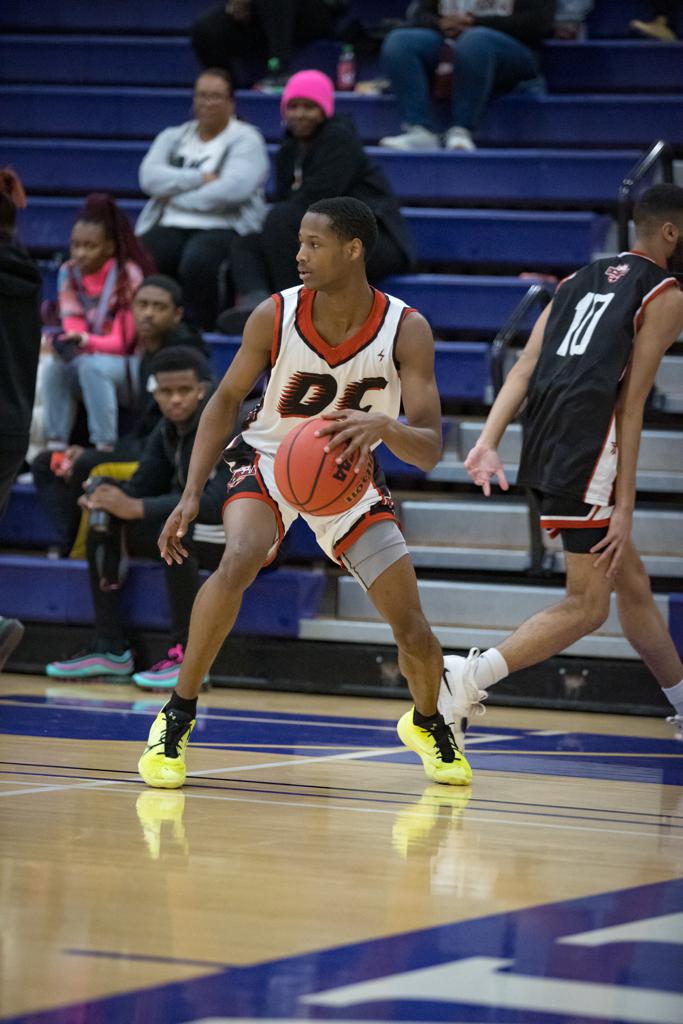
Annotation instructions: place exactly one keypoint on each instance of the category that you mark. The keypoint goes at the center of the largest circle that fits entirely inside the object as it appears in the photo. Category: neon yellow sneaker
(154, 809)
(423, 824)
(441, 758)
(163, 763)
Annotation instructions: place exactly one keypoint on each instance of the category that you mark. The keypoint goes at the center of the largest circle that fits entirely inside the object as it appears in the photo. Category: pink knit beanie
(309, 85)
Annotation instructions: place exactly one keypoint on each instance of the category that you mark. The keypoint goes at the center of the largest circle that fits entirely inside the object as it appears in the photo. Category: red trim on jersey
(557, 523)
(597, 461)
(277, 329)
(404, 314)
(336, 354)
(359, 528)
(564, 280)
(657, 290)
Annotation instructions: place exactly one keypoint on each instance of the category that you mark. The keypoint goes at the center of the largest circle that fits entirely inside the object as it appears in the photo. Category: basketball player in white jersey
(585, 374)
(332, 346)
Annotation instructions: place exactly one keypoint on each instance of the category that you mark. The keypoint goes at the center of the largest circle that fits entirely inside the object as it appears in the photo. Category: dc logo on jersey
(614, 274)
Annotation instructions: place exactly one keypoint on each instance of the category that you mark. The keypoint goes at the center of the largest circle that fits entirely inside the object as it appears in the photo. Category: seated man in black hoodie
(134, 513)
(59, 476)
(320, 157)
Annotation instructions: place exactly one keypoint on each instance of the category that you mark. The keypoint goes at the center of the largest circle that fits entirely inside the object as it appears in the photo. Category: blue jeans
(485, 62)
(97, 378)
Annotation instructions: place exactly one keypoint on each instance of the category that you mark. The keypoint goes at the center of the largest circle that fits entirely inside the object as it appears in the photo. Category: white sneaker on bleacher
(414, 138)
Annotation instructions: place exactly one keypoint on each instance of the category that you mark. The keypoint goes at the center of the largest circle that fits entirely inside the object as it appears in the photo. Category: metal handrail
(659, 152)
(540, 560)
(511, 327)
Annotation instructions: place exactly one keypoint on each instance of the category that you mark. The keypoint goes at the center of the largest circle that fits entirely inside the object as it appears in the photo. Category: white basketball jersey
(309, 377)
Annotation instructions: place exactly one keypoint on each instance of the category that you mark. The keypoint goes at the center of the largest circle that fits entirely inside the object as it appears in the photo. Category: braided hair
(100, 208)
(12, 198)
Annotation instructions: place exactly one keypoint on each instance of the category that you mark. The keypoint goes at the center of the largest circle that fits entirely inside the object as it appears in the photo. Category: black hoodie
(20, 291)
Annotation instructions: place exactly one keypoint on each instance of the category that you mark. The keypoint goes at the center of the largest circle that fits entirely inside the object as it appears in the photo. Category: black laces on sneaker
(177, 724)
(445, 744)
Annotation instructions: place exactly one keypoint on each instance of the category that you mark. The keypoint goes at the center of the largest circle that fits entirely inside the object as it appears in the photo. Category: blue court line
(370, 794)
(282, 988)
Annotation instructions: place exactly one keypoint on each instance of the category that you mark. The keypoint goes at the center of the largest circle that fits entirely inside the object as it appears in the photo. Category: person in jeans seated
(59, 476)
(92, 357)
(205, 179)
(135, 513)
(320, 156)
(495, 46)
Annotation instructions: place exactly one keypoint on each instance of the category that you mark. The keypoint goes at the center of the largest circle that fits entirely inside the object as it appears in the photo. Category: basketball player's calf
(394, 593)
(584, 609)
(250, 528)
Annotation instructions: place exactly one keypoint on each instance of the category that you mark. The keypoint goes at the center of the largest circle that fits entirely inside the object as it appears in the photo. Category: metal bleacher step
(494, 535)
(660, 465)
(464, 615)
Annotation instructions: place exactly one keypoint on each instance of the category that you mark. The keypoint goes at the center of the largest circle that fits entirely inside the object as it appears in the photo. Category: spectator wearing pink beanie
(309, 85)
(320, 157)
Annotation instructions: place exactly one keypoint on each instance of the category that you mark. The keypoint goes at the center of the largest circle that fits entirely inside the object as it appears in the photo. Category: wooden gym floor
(309, 871)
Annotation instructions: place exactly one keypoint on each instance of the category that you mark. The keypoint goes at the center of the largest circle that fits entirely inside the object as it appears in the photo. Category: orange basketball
(310, 479)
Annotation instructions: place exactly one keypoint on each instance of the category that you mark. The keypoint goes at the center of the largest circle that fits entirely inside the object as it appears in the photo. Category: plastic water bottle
(346, 69)
(442, 82)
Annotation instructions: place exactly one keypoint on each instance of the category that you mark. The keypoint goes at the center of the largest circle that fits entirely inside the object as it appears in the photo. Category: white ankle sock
(674, 694)
(490, 668)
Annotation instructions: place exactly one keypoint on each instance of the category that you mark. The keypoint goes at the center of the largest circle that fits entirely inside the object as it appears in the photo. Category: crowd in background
(207, 249)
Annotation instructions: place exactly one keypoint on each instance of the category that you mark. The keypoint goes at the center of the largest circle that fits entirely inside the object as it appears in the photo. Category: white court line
(193, 795)
(353, 754)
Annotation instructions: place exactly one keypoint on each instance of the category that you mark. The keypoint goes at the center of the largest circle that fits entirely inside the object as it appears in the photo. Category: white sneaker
(677, 722)
(415, 137)
(457, 138)
(459, 696)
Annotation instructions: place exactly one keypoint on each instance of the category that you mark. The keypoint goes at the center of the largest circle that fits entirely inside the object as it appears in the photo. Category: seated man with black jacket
(59, 476)
(320, 157)
(134, 513)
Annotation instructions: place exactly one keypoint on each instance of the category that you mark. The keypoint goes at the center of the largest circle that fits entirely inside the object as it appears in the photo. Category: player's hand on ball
(353, 431)
(482, 464)
(171, 538)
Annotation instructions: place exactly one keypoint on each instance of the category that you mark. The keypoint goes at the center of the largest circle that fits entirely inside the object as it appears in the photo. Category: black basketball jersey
(569, 444)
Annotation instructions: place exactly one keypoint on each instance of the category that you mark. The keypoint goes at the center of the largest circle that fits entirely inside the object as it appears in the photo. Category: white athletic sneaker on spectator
(457, 138)
(415, 137)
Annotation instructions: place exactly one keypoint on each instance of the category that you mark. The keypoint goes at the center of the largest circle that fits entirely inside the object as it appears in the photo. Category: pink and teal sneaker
(91, 664)
(163, 675)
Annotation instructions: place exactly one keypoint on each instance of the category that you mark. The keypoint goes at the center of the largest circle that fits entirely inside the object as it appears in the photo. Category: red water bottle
(346, 70)
(442, 81)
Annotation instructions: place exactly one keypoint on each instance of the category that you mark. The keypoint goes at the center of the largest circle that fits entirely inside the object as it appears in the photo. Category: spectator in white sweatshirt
(205, 179)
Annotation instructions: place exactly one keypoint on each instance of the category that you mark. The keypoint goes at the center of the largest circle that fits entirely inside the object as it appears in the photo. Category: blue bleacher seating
(513, 238)
(129, 113)
(42, 590)
(462, 369)
(600, 66)
(521, 176)
(624, 65)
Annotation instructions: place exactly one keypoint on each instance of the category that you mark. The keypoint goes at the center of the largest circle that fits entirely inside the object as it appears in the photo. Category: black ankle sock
(189, 707)
(426, 721)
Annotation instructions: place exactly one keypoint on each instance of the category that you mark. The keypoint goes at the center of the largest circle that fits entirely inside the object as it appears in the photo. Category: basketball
(310, 479)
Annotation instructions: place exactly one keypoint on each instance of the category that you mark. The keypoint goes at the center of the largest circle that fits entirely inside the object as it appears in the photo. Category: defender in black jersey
(585, 374)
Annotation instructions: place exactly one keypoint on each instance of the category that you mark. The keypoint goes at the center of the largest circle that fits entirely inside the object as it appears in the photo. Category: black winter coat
(162, 474)
(335, 164)
(20, 328)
